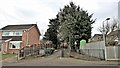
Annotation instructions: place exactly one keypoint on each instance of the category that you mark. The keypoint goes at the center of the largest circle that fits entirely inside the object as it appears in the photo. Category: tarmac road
(56, 60)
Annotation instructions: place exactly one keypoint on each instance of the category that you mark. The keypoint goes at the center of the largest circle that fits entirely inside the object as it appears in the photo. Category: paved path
(55, 60)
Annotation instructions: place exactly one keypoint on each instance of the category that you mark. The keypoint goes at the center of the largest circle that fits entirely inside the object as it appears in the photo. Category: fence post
(105, 52)
(37, 50)
(24, 52)
(18, 56)
(115, 52)
(99, 52)
(31, 50)
(62, 52)
(88, 52)
(28, 51)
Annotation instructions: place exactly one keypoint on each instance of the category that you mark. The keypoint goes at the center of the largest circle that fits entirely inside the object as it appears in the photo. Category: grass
(5, 56)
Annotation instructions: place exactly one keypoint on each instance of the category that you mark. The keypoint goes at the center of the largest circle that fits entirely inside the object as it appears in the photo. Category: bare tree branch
(109, 27)
(100, 29)
(106, 27)
(114, 25)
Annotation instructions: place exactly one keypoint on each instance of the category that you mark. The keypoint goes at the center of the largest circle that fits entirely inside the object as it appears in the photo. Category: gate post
(62, 52)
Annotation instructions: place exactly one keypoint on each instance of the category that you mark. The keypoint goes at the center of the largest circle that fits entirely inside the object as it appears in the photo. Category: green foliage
(69, 22)
(74, 21)
(51, 33)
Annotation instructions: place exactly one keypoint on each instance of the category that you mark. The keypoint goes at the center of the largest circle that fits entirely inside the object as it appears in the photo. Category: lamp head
(108, 19)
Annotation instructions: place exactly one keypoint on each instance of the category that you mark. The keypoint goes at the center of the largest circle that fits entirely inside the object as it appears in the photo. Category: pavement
(85, 57)
(56, 60)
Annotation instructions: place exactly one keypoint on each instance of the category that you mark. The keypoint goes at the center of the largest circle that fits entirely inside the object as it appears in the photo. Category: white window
(5, 34)
(18, 33)
(12, 33)
(15, 44)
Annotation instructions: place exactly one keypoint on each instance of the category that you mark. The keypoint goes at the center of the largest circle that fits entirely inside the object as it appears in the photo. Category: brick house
(15, 37)
(97, 37)
(113, 36)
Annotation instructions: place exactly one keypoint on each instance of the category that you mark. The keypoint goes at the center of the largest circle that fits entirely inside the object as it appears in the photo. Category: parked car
(116, 43)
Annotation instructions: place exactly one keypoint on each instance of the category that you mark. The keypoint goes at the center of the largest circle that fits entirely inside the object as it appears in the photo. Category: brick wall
(33, 36)
(24, 38)
(13, 51)
(4, 47)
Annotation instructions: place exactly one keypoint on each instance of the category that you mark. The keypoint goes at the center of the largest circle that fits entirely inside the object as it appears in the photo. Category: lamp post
(104, 31)
(104, 35)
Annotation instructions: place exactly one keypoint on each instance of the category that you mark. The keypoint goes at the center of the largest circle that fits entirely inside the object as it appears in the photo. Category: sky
(40, 11)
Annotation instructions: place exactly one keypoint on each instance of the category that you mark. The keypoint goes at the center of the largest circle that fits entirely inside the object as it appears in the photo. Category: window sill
(14, 48)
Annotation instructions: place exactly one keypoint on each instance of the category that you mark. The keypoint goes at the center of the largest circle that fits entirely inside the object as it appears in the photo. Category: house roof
(115, 34)
(17, 27)
(97, 35)
(112, 36)
(20, 27)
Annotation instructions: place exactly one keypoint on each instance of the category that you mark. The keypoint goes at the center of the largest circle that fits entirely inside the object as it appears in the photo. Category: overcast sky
(40, 11)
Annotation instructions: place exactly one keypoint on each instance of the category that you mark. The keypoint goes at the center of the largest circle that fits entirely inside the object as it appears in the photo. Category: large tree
(71, 23)
(74, 21)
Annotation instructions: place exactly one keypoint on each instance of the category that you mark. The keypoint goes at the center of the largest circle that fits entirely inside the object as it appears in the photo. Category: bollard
(62, 52)
(17, 56)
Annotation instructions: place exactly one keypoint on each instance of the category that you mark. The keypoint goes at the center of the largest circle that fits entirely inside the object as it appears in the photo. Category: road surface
(56, 60)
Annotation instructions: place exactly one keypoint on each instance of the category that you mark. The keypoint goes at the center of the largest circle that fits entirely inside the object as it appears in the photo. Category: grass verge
(5, 56)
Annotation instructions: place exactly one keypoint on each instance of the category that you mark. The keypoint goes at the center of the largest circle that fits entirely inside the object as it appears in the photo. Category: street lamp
(104, 36)
(104, 31)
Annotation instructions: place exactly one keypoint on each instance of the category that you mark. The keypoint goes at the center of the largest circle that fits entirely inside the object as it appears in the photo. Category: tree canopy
(70, 24)
(74, 21)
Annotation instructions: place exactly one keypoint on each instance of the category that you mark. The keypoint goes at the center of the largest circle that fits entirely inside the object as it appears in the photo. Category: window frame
(19, 32)
(12, 33)
(14, 42)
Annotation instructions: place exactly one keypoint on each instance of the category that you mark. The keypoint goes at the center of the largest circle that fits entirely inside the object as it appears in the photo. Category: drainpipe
(27, 37)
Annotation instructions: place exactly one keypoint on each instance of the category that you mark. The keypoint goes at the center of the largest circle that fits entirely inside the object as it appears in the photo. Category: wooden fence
(99, 50)
(95, 49)
(35, 50)
(112, 53)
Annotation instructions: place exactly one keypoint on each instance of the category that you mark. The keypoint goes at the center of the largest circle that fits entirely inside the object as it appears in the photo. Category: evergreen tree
(71, 23)
(74, 21)
(51, 33)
